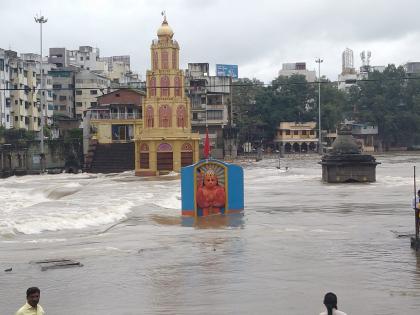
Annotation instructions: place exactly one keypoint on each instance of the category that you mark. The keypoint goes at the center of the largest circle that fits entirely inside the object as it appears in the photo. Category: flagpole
(207, 140)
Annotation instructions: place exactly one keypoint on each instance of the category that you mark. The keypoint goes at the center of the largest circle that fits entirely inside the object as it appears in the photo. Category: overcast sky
(256, 35)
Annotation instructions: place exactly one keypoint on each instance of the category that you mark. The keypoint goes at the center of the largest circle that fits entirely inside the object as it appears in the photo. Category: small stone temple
(345, 163)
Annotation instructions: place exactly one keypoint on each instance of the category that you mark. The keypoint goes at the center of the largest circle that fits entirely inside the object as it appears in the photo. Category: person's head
(32, 296)
(210, 179)
(330, 302)
(418, 192)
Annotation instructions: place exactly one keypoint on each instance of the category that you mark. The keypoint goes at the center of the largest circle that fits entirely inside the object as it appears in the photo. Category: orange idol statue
(211, 197)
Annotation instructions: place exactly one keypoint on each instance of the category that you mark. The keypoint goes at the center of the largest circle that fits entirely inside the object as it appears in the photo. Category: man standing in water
(416, 200)
(31, 306)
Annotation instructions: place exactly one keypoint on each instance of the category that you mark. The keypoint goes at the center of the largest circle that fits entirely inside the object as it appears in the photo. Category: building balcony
(105, 115)
(216, 106)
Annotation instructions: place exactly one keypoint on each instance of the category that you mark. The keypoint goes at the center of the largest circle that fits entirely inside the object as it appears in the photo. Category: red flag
(207, 148)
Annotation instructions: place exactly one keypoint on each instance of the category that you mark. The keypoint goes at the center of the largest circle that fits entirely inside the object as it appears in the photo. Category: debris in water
(57, 264)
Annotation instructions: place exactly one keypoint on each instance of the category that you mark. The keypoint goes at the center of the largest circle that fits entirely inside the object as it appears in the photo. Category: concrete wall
(24, 157)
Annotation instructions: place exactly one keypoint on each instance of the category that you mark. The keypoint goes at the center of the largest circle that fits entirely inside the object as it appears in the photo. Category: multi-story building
(47, 95)
(210, 99)
(166, 142)
(118, 116)
(5, 101)
(63, 86)
(289, 69)
(348, 75)
(25, 108)
(116, 68)
(89, 85)
(297, 137)
(412, 68)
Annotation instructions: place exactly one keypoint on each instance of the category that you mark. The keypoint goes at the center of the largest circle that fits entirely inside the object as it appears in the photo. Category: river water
(297, 239)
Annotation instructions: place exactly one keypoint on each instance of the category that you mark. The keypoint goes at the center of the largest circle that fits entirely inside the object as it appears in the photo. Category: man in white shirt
(31, 306)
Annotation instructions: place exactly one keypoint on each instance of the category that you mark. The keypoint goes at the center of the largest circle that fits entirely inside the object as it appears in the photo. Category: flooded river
(298, 239)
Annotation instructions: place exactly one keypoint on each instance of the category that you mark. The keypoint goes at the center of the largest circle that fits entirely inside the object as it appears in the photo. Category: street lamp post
(41, 20)
(319, 61)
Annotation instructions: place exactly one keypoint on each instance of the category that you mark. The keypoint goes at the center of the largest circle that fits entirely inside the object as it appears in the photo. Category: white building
(5, 101)
(289, 69)
(89, 85)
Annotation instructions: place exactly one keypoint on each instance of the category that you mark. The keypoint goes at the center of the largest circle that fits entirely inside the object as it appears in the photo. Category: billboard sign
(227, 71)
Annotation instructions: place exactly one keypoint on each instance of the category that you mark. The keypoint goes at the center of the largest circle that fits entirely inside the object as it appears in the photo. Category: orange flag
(207, 148)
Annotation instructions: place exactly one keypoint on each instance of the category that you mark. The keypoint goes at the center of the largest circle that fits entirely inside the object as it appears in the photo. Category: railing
(121, 116)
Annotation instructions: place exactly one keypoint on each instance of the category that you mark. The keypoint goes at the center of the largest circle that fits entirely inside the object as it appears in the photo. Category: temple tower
(166, 142)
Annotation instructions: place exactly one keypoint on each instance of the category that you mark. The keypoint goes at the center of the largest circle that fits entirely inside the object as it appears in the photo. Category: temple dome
(165, 30)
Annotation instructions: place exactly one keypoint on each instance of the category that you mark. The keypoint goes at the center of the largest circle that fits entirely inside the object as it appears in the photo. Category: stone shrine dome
(345, 164)
(344, 143)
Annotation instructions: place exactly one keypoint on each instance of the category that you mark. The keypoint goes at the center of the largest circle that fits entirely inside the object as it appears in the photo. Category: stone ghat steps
(113, 158)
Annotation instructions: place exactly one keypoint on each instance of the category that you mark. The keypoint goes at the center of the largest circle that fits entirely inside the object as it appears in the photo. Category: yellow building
(166, 142)
(297, 137)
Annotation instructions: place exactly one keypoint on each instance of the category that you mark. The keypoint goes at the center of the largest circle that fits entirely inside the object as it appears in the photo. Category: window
(63, 108)
(56, 86)
(63, 98)
(174, 60)
(79, 104)
(87, 58)
(155, 60)
(295, 132)
(177, 86)
(54, 97)
(287, 132)
(304, 132)
(152, 89)
(165, 116)
(81, 58)
(16, 118)
(181, 117)
(195, 116)
(93, 92)
(93, 103)
(214, 114)
(165, 61)
(79, 92)
(164, 86)
(149, 117)
(312, 132)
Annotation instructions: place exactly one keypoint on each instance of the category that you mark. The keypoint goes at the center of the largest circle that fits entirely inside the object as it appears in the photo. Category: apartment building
(209, 96)
(89, 85)
(116, 68)
(63, 83)
(5, 101)
(46, 96)
(25, 109)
